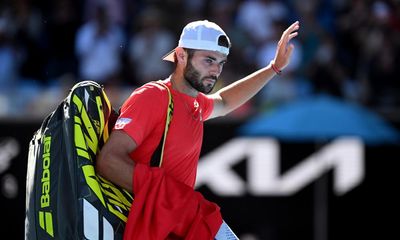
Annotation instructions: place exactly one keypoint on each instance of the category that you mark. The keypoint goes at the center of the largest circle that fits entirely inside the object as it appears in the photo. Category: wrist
(275, 68)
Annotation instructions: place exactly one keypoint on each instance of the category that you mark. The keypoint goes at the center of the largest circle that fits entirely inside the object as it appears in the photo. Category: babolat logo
(45, 217)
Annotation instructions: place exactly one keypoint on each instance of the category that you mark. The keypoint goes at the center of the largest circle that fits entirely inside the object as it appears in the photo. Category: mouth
(210, 80)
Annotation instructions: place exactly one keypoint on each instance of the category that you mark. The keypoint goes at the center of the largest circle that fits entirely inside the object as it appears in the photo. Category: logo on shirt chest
(194, 110)
(197, 111)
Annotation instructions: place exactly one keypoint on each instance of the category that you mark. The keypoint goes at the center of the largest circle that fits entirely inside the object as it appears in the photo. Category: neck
(179, 83)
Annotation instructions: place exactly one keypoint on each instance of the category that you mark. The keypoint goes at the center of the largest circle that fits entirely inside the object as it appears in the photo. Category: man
(199, 57)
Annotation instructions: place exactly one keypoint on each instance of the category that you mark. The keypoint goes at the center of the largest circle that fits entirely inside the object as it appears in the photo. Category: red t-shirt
(143, 118)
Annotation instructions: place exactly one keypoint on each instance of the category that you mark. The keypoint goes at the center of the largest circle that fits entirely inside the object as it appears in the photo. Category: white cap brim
(169, 56)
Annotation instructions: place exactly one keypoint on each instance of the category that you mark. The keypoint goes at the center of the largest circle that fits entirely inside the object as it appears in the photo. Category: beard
(192, 76)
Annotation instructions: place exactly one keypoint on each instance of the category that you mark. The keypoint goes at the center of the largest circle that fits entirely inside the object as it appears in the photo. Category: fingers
(295, 26)
(284, 48)
(290, 32)
(290, 50)
(292, 35)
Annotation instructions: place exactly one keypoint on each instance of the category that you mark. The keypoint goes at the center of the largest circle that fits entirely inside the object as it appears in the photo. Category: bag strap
(158, 155)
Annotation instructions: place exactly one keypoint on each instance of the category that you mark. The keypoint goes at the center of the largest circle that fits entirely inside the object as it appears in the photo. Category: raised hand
(284, 48)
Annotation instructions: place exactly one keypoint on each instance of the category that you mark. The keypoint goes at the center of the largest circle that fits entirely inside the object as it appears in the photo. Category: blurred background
(347, 56)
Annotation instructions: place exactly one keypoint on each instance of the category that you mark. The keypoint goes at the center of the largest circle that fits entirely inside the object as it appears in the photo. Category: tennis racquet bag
(65, 199)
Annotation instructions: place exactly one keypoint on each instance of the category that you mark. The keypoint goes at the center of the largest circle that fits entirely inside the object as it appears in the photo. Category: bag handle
(158, 155)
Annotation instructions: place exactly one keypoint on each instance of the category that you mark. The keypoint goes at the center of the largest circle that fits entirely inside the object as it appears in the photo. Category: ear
(181, 56)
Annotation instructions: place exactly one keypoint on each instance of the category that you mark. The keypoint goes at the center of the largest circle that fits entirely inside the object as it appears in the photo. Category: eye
(209, 61)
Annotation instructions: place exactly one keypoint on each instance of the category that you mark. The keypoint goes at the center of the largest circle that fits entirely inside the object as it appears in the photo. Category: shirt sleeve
(142, 112)
(207, 105)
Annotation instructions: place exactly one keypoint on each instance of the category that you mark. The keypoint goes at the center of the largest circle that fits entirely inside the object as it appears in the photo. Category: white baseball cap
(202, 35)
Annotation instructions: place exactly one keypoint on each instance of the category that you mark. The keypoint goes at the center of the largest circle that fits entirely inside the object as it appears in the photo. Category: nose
(216, 69)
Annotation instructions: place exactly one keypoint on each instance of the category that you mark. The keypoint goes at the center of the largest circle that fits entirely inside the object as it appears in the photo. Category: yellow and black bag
(65, 199)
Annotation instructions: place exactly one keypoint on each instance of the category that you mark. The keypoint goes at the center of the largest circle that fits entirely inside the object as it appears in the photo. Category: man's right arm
(113, 162)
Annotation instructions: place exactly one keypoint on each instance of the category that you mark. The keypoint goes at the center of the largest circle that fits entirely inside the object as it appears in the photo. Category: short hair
(190, 52)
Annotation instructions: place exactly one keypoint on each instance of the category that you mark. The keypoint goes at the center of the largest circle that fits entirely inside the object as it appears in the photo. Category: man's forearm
(118, 172)
(239, 92)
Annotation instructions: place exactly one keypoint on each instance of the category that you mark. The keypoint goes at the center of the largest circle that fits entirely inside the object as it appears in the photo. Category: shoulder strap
(157, 157)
